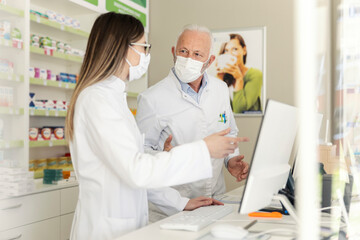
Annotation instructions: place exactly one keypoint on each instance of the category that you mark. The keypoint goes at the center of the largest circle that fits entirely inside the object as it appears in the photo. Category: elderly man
(186, 106)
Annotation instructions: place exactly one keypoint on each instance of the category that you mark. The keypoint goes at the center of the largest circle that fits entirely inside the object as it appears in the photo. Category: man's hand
(238, 168)
(200, 202)
(167, 144)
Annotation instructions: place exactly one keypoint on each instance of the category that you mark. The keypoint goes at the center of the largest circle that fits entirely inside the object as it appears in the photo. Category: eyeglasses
(146, 46)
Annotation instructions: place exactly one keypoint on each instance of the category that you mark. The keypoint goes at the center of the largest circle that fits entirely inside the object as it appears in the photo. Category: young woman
(245, 83)
(106, 145)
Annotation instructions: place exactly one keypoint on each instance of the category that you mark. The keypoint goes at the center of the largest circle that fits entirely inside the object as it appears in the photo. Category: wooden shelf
(56, 54)
(50, 83)
(8, 43)
(11, 111)
(47, 113)
(49, 143)
(59, 26)
(132, 94)
(4, 144)
(11, 77)
(11, 10)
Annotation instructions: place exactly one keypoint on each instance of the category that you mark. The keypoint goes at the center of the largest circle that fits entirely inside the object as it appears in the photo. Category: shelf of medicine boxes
(11, 77)
(49, 143)
(11, 111)
(47, 113)
(53, 24)
(11, 10)
(9, 43)
(5, 144)
(50, 83)
(56, 54)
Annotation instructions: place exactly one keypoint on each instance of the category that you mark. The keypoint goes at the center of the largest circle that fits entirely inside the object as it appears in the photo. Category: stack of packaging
(6, 96)
(39, 165)
(46, 104)
(13, 34)
(52, 45)
(46, 133)
(15, 181)
(57, 17)
(52, 176)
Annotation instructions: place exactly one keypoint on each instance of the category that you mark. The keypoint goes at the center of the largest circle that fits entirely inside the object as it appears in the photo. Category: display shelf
(132, 94)
(47, 113)
(49, 143)
(8, 43)
(11, 77)
(56, 54)
(5, 144)
(11, 111)
(11, 10)
(59, 26)
(49, 83)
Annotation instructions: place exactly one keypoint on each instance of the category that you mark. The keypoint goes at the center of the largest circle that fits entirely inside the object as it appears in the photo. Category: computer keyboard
(198, 218)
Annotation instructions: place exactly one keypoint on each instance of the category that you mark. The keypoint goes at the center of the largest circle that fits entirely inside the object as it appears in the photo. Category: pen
(250, 225)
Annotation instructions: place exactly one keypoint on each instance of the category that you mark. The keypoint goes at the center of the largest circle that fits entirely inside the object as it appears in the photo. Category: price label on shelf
(60, 84)
(7, 145)
(11, 111)
(66, 85)
(47, 113)
(56, 113)
(44, 82)
(62, 27)
(37, 18)
(17, 111)
(32, 112)
(10, 77)
(17, 79)
(7, 43)
(50, 143)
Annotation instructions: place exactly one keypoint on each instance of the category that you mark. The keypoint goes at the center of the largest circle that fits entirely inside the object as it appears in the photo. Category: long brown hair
(241, 42)
(106, 51)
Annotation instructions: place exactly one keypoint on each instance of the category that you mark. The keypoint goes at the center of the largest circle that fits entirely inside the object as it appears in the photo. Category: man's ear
(212, 59)
(173, 53)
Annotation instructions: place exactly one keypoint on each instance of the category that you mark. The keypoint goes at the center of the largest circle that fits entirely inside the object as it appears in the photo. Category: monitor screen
(269, 168)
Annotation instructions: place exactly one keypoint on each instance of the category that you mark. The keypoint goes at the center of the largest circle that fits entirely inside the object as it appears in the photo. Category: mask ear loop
(128, 62)
(134, 51)
(205, 65)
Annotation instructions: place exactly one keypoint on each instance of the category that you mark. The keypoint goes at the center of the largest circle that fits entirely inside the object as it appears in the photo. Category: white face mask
(136, 72)
(188, 69)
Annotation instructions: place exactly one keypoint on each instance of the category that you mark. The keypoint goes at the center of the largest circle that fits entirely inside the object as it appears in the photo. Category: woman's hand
(220, 146)
(235, 71)
(200, 202)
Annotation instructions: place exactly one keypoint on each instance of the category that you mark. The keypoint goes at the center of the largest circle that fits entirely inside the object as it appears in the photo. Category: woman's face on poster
(234, 48)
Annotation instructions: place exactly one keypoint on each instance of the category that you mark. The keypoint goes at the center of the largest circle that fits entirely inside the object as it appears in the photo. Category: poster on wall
(240, 63)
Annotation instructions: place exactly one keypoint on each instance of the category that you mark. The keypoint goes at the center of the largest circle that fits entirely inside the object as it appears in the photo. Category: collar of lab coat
(115, 83)
(187, 88)
(185, 95)
(177, 81)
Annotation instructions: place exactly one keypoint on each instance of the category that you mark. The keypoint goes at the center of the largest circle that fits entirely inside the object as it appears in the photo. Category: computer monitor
(269, 169)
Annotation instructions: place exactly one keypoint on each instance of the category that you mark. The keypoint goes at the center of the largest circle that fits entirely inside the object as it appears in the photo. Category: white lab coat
(165, 109)
(112, 170)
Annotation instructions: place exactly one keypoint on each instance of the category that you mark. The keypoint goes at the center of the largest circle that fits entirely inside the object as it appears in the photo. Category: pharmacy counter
(153, 231)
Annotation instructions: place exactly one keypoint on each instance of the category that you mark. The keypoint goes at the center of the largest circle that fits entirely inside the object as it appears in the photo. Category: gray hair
(197, 28)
